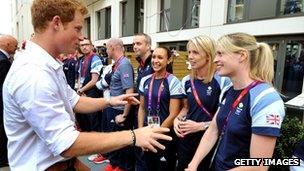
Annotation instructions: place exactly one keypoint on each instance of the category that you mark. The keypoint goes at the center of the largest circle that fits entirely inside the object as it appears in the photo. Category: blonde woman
(201, 89)
(249, 119)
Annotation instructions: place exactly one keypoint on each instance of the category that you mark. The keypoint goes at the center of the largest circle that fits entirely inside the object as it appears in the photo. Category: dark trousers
(3, 144)
(152, 161)
(123, 158)
(89, 122)
(186, 151)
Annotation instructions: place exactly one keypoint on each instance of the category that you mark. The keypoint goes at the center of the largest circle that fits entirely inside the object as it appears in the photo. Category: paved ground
(84, 159)
(93, 166)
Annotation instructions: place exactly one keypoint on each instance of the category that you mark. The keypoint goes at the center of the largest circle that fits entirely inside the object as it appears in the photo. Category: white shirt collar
(52, 61)
(5, 53)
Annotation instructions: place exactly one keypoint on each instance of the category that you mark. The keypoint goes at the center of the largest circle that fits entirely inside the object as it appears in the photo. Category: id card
(154, 121)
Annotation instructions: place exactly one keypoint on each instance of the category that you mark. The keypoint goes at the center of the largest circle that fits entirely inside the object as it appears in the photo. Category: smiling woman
(5, 17)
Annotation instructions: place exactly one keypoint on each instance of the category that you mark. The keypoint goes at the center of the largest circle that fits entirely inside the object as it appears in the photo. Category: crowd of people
(61, 100)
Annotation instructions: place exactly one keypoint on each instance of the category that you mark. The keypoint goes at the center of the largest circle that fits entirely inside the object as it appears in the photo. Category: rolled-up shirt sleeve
(73, 96)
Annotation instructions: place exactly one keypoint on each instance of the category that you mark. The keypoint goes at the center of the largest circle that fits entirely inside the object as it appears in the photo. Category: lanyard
(197, 99)
(160, 89)
(84, 64)
(236, 102)
(116, 65)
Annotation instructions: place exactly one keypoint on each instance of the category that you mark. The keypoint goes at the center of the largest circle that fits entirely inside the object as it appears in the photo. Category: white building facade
(280, 23)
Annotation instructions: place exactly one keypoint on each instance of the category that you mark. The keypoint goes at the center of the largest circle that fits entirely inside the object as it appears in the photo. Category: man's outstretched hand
(147, 137)
(124, 99)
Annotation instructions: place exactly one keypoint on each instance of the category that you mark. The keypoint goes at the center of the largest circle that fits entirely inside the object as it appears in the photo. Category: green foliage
(292, 132)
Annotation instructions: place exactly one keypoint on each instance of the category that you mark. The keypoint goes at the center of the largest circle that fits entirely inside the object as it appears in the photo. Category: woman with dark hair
(160, 100)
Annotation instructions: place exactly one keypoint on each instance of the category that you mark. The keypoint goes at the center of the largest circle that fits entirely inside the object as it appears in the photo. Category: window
(194, 13)
(108, 23)
(132, 17)
(103, 23)
(236, 10)
(293, 68)
(164, 15)
(241, 10)
(123, 17)
(291, 7)
(288, 52)
(87, 27)
(140, 16)
(179, 14)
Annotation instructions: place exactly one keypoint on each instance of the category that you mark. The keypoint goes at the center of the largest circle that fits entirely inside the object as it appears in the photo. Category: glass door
(277, 50)
(293, 68)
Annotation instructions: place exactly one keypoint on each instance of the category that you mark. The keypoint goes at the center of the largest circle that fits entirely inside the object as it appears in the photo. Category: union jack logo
(273, 119)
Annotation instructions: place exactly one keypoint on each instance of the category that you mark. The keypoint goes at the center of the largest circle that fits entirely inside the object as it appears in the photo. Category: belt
(64, 165)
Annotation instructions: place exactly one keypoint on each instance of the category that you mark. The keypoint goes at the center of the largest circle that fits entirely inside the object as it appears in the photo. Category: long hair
(205, 44)
(260, 55)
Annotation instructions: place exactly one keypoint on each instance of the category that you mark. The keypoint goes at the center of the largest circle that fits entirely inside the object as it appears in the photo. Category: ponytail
(259, 54)
(262, 63)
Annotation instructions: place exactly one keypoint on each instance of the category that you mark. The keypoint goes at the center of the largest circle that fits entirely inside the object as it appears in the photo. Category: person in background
(202, 90)
(250, 116)
(69, 69)
(160, 100)
(142, 49)
(8, 47)
(299, 153)
(39, 106)
(118, 117)
(103, 85)
(89, 70)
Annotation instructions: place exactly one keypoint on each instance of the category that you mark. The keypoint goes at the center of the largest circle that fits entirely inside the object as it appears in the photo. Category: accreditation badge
(154, 121)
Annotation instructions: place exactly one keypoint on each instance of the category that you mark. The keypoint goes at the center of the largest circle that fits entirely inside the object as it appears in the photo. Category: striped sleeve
(184, 80)
(96, 65)
(267, 110)
(141, 87)
(175, 87)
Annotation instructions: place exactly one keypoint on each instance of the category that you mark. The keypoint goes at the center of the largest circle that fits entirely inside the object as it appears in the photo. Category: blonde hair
(260, 55)
(205, 44)
(44, 11)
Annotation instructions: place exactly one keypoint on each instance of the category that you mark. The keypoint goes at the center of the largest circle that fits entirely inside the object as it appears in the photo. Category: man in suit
(8, 46)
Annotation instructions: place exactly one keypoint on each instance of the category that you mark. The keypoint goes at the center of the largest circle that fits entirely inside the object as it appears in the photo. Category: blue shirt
(95, 67)
(171, 89)
(260, 111)
(209, 94)
(143, 71)
(121, 79)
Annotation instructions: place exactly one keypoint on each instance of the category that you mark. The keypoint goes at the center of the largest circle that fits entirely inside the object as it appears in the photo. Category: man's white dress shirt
(38, 110)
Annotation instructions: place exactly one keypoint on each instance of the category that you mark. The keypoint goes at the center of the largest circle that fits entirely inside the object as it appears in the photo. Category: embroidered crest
(239, 109)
